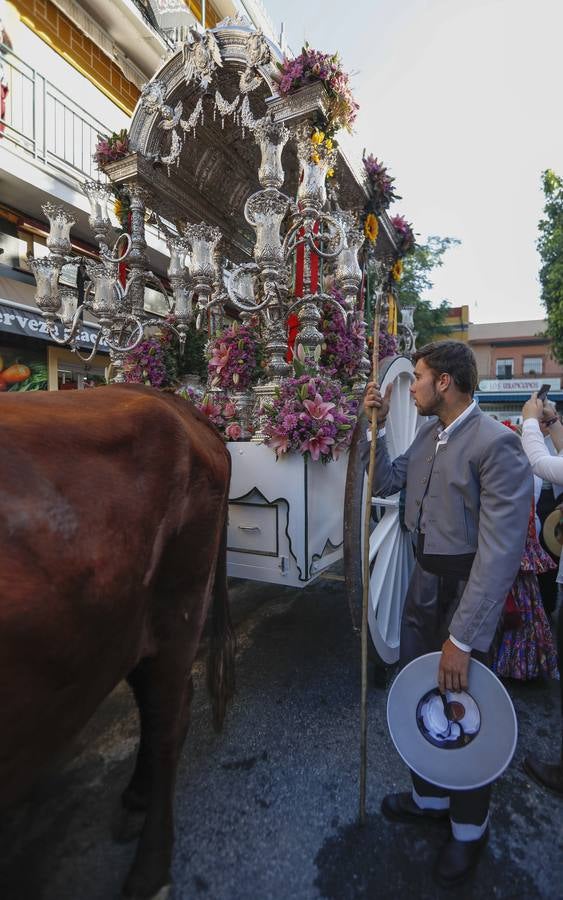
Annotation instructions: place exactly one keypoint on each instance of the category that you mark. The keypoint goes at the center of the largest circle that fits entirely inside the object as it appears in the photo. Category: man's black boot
(402, 808)
(457, 860)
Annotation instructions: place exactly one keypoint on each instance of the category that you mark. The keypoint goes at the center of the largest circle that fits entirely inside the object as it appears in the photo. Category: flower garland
(311, 66)
(116, 146)
(234, 358)
(310, 415)
(343, 346)
(404, 233)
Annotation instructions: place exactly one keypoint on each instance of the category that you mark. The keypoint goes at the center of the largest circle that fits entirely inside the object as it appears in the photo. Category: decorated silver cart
(235, 174)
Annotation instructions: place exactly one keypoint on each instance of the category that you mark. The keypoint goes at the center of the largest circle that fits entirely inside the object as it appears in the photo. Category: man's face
(424, 391)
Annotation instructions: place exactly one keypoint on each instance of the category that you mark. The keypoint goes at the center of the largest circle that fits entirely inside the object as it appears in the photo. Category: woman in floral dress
(527, 649)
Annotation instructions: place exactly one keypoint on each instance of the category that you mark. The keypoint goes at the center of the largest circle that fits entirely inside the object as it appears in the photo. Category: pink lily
(279, 441)
(210, 409)
(316, 445)
(220, 357)
(318, 409)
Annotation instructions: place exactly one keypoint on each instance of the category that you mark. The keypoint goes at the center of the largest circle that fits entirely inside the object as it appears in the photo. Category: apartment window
(533, 365)
(505, 368)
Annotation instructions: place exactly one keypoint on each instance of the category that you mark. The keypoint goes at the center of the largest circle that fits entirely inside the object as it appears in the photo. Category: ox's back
(96, 498)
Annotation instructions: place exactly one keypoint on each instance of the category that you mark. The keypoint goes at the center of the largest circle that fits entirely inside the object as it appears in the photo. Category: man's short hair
(453, 357)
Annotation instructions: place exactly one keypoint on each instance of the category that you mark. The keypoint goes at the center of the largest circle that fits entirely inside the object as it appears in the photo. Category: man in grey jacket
(468, 489)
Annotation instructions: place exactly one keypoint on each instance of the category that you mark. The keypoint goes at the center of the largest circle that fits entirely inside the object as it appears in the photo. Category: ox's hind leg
(163, 690)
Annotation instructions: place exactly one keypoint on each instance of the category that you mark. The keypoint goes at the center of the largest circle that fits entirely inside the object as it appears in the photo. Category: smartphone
(543, 391)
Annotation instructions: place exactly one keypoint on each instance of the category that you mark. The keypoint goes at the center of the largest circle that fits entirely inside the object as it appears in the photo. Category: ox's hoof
(127, 825)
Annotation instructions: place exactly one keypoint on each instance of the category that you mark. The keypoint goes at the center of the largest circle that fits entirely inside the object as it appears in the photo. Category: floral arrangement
(146, 364)
(343, 346)
(388, 345)
(310, 66)
(222, 413)
(116, 146)
(404, 233)
(379, 184)
(322, 149)
(234, 358)
(310, 415)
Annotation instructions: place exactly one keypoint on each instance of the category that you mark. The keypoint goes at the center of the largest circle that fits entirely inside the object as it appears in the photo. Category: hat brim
(464, 768)
(548, 532)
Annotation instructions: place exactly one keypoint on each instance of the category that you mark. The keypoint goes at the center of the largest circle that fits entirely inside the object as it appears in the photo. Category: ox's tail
(222, 644)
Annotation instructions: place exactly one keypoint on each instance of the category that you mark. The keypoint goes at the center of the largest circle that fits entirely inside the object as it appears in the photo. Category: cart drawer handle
(249, 528)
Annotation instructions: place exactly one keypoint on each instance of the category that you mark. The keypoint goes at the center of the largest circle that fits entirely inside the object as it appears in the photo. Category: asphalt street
(267, 810)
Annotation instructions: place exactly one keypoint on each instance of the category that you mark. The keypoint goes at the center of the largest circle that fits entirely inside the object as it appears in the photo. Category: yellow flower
(318, 137)
(328, 144)
(371, 227)
(315, 158)
(330, 173)
(397, 270)
(118, 209)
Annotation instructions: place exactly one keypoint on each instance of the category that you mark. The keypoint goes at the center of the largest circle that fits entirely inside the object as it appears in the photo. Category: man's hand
(533, 408)
(454, 668)
(374, 400)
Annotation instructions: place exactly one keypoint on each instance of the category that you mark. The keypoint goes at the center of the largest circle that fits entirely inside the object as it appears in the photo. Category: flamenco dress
(527, 649)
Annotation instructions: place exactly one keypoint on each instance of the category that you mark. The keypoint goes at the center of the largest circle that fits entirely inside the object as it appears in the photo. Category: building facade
(513, 360)
(70, 72)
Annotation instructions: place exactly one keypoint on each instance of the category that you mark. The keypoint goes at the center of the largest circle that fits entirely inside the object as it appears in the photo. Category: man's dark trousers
(430, 604)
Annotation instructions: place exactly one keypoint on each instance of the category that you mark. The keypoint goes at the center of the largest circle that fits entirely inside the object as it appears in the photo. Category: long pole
(366, 566)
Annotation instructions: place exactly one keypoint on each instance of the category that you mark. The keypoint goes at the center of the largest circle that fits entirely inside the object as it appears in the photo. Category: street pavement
(267, 810)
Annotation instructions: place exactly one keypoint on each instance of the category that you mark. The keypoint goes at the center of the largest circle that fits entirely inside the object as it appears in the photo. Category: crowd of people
(471, 487)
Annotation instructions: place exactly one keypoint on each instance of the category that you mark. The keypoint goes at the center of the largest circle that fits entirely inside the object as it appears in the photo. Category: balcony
(47, 125)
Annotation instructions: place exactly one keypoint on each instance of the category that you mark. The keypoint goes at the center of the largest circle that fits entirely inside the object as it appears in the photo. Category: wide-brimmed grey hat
(460, 741)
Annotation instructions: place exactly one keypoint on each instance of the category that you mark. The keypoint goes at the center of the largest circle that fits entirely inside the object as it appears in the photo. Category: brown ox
(113, 506)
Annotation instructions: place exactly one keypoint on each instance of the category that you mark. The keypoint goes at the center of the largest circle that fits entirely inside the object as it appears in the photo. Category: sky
(463, 102)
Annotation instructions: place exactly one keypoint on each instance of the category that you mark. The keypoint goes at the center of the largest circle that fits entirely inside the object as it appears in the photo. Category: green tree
(550, 246)
(417, 270)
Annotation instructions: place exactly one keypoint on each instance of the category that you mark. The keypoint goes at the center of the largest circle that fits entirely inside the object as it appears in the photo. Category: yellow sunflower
(397, 270)
(371, 227)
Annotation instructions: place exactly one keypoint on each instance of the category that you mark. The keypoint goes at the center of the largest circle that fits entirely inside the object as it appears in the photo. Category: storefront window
(22, 369)
(68, 373)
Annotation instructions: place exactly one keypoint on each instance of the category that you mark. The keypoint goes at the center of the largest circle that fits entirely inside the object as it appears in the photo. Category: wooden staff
(366, 569)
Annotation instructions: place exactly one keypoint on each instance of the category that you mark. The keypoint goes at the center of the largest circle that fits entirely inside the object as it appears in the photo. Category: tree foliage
(550, 247)
(417, 270)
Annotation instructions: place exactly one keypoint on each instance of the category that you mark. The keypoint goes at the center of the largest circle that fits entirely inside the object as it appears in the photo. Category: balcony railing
(44, 122)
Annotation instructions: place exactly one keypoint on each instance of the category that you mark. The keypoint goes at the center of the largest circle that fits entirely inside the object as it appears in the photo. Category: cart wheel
(391, 553)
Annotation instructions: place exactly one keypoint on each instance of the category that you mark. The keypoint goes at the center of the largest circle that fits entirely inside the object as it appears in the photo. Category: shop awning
(483, 397)
(23, 319)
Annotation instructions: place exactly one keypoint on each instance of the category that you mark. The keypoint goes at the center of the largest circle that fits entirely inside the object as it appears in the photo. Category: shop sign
(23, 320)
(526, 385)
